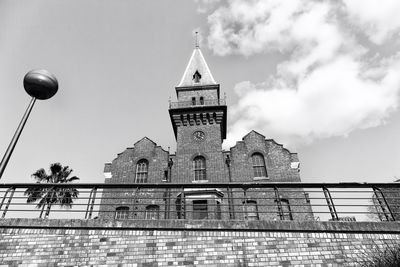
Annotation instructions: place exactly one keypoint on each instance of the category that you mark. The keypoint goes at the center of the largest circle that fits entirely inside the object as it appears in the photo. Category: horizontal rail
(191, 104)
(207, 185)
(207, 201)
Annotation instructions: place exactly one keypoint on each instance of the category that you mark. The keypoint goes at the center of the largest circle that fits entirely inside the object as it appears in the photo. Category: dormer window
(196, 77)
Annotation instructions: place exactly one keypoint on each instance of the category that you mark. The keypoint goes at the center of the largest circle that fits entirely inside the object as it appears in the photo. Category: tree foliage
(381, 256)
(48, 196)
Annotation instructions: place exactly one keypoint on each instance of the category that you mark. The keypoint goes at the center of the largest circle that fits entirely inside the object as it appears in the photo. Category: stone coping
(210, 225)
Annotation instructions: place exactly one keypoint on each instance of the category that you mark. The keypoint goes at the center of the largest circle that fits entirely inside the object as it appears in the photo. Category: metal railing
(191, 104)
(217, 201)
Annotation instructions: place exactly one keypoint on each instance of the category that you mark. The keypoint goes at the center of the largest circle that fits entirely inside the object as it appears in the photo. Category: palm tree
(48, 196)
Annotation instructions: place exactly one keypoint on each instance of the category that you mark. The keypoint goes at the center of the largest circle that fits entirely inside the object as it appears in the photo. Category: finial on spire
(197, 40)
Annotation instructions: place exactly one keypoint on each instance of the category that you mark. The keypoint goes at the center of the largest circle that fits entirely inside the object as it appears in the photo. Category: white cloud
(378, 19)
(332, 82)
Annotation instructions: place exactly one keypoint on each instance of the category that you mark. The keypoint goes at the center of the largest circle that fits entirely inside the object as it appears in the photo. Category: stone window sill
(200, 181)
(260, 178)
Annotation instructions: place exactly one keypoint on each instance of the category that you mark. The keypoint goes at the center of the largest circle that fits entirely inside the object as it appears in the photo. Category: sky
(320, 77)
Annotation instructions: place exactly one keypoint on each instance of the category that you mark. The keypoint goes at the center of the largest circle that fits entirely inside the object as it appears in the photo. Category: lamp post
(39, 84)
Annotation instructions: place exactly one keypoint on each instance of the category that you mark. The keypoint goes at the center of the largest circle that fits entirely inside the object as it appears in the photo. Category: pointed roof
(197, 72)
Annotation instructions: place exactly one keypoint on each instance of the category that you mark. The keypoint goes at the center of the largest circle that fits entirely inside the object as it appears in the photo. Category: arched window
(141, 171)
(259, 165)
(152, 212)
(250, 210)
(121, 213)
(199, 168)
(284, 210)
(193, 101)
(201, 100)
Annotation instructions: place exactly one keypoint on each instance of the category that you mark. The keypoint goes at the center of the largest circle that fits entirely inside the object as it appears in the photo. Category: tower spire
(197, 72)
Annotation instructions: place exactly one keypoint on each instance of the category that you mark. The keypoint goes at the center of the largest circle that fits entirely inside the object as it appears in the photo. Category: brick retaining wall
(38, 242)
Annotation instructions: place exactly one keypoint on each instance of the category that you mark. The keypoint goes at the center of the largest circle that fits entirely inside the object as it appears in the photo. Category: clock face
(199, 135)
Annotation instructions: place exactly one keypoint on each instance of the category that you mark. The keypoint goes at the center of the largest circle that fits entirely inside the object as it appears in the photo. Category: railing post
(8, 202)
(230, 204)
(4, 197)
(87, 207)
(379, 191)
(230, 195)
(168, 211)
(90, 205)
(135, 206)
(50, 204)
(168, 191)
(245, 203)
(183, 204)
(278, 202)
(331, 206)
(41, 211)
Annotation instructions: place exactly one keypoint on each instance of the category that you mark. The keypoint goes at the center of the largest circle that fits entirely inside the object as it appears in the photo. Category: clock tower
(199, 122)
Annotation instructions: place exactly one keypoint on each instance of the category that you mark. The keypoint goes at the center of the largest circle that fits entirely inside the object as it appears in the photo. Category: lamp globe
(40, 84)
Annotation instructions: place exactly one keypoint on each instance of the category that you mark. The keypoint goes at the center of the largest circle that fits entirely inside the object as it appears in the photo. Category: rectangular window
(218, 211)
(152, 212)
(200, 209)
(251, 210)
(121, 213)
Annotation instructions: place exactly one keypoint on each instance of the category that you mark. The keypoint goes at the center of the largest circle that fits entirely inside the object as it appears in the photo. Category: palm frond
(40, 175)
(55, 168)
(66, 171)
(74, 178)
(33, 193)
(53, 195)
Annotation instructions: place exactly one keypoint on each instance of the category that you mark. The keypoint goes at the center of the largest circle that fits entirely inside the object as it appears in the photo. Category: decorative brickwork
(81, 244)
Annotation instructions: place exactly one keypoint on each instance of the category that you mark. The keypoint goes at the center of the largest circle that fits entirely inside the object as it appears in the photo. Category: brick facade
(123, 170)
(38, 242)
(201, 111)
(207, 93)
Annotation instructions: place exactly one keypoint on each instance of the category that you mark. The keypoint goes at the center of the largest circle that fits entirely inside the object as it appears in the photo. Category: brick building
(199, 121)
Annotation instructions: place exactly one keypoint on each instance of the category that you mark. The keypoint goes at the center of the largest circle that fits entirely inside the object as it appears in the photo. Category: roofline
(189, 63)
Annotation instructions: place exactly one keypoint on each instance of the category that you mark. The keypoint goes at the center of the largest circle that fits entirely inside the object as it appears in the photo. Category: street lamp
(39, 84)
